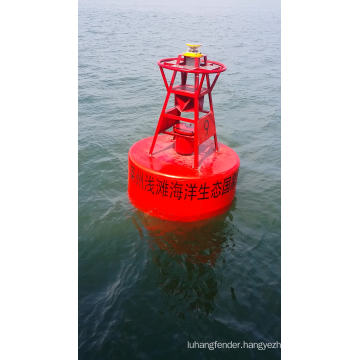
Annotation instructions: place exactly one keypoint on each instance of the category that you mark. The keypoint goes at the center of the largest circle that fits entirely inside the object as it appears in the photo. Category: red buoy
(182, 173)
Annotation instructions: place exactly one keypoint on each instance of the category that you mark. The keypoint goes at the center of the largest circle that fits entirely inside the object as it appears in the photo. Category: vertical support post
(196, 137)
(196, 82)
(162, 114)
(212, 108)
(196, 118)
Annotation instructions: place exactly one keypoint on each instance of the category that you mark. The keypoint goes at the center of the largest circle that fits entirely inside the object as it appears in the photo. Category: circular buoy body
(167, 186)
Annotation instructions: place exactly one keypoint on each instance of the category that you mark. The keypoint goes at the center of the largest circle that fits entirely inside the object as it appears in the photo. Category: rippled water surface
(147, 287)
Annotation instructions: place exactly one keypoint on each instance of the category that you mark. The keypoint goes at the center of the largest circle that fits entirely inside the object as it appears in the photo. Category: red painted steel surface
(182, 173)
(208, 67)
(166, 185)
(184, 139)
(189, 98)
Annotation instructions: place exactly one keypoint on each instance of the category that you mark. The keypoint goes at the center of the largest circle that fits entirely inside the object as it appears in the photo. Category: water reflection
(195, 242)
(185, 254)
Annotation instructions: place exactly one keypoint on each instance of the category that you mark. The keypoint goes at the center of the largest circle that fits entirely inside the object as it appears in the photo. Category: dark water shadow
(185, 255)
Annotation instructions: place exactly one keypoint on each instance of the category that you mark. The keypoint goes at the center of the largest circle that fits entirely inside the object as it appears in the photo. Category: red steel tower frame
(189, 98)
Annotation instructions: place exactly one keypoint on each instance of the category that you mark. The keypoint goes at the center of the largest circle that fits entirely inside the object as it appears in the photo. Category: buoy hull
(167, 186)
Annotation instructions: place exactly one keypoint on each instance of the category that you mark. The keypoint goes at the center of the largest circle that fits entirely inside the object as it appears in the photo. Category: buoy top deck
(192, 61)
(211, 67)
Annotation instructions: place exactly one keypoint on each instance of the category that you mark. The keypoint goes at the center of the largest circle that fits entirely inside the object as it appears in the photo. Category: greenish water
(147, 287)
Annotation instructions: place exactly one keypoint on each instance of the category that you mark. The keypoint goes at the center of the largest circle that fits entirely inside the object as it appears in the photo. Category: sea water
(148, 288)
